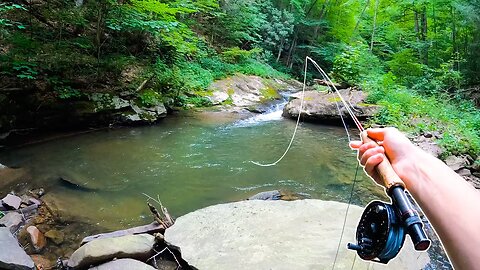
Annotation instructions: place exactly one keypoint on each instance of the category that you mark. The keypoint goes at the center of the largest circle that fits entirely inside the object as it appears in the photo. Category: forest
(419, 59)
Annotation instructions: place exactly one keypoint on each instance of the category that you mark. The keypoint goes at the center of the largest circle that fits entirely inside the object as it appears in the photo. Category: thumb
(376, 134)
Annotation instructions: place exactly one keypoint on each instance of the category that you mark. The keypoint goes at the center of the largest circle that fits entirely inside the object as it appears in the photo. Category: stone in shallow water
(267, 195)
(12, 256)
(257, 234)
(138, 246)
(123, 264)
(12, 220)
(12, 201)
(56, 236)
(36, 238)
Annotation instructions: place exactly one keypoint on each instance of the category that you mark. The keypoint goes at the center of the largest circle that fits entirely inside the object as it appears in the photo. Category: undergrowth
(194, 76)
(456, 119)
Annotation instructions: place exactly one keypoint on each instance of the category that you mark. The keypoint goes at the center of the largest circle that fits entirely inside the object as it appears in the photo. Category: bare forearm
(451, 205)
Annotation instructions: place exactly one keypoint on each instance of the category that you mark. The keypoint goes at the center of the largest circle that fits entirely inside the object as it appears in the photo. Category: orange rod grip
(388, 176)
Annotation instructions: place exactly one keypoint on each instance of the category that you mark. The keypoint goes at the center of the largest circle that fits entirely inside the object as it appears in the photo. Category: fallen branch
(142, 85)
(156, 215)
(153, 227)
(166, 220)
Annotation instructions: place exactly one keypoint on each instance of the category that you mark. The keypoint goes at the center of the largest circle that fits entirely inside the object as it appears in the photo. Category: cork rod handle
(388, 176)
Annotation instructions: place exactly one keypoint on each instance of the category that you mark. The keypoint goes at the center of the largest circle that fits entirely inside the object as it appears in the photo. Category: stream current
(191, 160)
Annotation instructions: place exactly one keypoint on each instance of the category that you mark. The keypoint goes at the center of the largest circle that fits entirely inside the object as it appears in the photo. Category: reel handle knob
(388, 176)
(353, 246)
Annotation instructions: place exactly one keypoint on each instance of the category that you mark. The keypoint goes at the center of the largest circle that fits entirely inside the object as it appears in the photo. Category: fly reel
(382, 229)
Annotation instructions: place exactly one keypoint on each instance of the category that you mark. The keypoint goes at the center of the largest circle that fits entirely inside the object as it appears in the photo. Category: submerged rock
(76, 184)
(267, 195)
(36, 238)
(55, 236)
(42, 262)
(322, 106)
(12, 256)
(78, 181)
(255, 234)
(98, 251)
(123, 264)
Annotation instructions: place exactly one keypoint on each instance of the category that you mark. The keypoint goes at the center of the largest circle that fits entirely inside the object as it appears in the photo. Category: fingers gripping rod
(382, 227)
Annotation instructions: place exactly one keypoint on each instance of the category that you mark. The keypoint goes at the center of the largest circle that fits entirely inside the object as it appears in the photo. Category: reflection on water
(190, 162)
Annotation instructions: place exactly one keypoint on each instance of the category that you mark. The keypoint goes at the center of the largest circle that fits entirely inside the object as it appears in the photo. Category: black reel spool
(382, 229)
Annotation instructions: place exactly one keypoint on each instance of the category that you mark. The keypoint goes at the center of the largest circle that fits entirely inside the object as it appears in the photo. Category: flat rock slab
(12, 201)
(12, 256)
(98, 251)
(123, 264)
(12, 220)
(256, 234)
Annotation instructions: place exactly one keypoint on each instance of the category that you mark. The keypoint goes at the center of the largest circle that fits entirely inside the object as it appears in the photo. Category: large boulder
(123, 264)
(98, 251)
(105, 107)
(145, 114)
(321, 107)
(255, 234)
(12, 256)
(243, 91)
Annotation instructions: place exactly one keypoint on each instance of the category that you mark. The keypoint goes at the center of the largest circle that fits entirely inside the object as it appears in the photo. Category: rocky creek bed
(32, 225)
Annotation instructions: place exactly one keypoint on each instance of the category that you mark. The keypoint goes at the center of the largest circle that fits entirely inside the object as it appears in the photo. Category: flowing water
(190, 161)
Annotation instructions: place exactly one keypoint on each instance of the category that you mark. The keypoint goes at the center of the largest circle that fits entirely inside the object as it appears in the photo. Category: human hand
(390, 142)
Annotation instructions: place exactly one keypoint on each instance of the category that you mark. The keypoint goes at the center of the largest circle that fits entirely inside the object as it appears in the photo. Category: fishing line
(345, 218)
(347, 106)
(296, 125)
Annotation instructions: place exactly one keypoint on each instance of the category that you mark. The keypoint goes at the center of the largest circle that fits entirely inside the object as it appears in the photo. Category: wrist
(410, 167)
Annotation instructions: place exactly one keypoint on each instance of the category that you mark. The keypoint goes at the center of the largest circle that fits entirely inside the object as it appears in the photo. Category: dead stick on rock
(156, 215)
(168, 220)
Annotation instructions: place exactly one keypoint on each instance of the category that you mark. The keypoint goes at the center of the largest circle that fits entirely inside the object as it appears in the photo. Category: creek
(190, 161)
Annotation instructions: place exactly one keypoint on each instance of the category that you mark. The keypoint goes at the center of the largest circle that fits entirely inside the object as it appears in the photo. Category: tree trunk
(291, 51)
(280, 49)
(423, 35)
(417, 28)
(454, 40)
(98, 35)
(377, 2)
(435, 47)
(361, 16)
